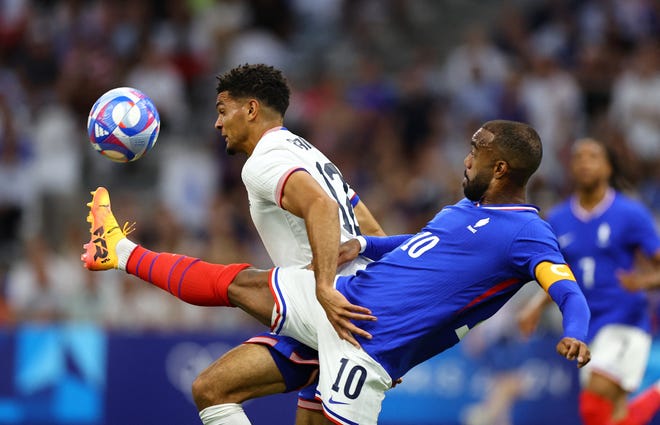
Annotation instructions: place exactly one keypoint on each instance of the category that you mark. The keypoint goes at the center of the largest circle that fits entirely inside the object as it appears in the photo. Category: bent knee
(213, 386)
(202, 394)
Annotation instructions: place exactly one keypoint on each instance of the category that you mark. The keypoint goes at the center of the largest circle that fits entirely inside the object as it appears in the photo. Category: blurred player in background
(601, 231)
(426, 291)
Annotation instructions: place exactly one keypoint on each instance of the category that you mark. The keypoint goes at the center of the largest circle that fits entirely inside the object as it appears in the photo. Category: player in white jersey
(302, 209)
(601, 231)
(276, 157)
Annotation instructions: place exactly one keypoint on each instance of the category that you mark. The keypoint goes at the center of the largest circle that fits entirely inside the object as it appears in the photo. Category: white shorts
(619, 352)
(352, 384)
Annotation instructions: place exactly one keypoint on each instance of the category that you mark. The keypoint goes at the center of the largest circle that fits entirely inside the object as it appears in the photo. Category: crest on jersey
(603, 235)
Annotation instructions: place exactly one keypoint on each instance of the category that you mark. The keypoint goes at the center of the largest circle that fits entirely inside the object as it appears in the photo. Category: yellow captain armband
(548, 273)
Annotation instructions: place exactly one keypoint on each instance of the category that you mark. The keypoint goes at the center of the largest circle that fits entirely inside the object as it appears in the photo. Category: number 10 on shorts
(349, 381)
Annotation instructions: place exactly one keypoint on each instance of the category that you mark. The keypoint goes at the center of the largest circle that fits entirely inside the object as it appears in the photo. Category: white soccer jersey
(278, 154)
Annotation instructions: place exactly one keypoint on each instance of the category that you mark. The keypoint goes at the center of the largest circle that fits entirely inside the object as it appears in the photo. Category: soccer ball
(123, 124)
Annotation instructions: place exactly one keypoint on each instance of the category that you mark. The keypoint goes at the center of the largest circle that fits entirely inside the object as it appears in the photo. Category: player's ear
(501, 168)
(252, 108)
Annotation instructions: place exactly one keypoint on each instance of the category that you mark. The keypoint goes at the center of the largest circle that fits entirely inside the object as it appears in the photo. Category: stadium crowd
(390, 90)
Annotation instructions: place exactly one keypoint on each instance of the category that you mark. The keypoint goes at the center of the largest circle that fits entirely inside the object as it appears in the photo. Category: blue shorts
(297, 363)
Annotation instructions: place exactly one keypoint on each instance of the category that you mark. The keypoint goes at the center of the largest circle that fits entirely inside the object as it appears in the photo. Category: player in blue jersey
(423, 293)
(600, 232)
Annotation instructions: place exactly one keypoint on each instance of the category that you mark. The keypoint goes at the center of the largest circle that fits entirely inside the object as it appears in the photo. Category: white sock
(224, 414)
(124, 249)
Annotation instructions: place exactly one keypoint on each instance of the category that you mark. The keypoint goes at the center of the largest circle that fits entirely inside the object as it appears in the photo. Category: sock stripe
(187, 278)
(169, 276)
(183, 274)
(151, 266)
(137, 267)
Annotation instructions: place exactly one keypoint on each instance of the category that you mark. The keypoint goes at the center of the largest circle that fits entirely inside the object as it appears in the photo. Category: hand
(340, 312)
(348, 251)
(574, 349)
(632, 281)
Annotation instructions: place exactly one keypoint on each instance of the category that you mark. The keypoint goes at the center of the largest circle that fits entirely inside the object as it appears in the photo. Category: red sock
(594, 409)
(642, 408)
(597, 410)
(189, 279)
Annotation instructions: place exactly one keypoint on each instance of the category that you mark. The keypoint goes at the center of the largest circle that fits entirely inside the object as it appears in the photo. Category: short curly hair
(519, 144)
(262, 82)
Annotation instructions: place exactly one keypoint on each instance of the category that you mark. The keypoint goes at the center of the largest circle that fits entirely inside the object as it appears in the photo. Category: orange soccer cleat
(101, 251)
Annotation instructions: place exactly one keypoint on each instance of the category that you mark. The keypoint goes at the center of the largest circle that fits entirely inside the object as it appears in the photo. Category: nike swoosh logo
(331, 401)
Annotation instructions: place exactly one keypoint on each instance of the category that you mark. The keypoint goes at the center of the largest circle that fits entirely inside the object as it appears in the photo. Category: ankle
(124, 249)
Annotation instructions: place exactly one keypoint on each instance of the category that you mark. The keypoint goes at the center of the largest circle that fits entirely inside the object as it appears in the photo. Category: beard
(474, 189)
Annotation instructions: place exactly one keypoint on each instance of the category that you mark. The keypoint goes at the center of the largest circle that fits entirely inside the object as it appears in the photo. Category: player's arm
(558, 281)
(641, 232)
(647, 277)
(372, 247)
(368, 224)
(304, 197)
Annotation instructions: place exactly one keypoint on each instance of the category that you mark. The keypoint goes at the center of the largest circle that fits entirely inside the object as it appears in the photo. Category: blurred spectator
(371, 93)
(510, 104)
(40, 283)
(158, 78)
(596, 68)
(636, 20)
(473, 74)
(553, 29)
(189, 180)
(635, 107)
(17, 186)
(13, 20)
(214, 28)
(417, 105)
(553, 104)
(36, 61)
(266, 39)
(57, 168)
(474, 55)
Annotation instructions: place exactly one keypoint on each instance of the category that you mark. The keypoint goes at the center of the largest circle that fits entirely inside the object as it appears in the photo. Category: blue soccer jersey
(429, 291)
(599, 243)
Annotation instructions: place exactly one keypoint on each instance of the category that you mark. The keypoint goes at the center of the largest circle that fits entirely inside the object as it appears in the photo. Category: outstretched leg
(189, 279)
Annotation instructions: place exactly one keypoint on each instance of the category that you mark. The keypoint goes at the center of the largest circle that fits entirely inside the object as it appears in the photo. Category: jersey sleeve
(573, 306)
(266, 175)
(534, 244)
(641, 231)
(352, 196)
(536, 251)
(375, 247)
